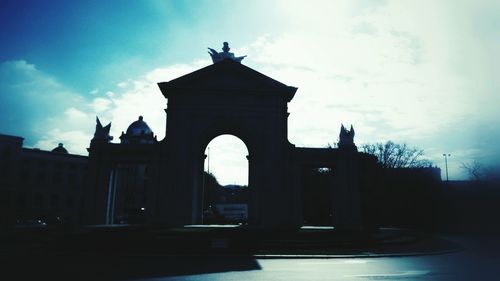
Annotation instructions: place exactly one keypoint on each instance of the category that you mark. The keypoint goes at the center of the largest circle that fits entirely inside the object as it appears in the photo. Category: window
(38, 202)
(5, 198)
(41, 176)
(54, 200)
(25, 175)
(69, 202)
(57, 178)
(21, 200)
(72, 179)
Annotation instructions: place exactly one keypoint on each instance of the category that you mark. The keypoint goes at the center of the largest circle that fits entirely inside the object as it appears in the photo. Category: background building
(38, 184)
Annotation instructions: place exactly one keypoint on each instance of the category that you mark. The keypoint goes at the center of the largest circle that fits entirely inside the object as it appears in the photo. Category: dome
(138, 128)
(138, 132)
(60, 149)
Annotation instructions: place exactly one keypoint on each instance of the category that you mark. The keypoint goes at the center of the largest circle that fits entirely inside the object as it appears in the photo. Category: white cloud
(388, 72)
(101, 104)
(64, 116)
(122, 84)
(141, 97)
(75, 114)
(74, 141)
(379, 67)
(420, 72)
(32, 101)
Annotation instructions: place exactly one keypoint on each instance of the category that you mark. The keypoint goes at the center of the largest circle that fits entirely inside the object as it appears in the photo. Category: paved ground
(469, 264)
(456, 267)
(479, 260)
(123, 255)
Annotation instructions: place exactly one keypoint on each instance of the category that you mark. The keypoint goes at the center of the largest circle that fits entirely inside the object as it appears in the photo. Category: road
(444, 267)
(480, 260)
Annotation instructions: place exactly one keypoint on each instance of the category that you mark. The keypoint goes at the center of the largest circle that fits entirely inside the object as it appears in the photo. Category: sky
(424, 73)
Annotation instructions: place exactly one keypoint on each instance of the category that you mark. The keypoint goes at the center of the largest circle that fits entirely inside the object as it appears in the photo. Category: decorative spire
(225, 54)
(60, 149)
(346, 139)
(101, 133)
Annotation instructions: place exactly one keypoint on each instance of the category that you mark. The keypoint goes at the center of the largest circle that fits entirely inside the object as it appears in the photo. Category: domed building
(138, 133)
(60, 149)
(129, 163)
(40, 185)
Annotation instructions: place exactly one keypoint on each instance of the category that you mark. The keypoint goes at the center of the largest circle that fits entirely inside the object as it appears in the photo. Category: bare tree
(477, 171)
(395, 155)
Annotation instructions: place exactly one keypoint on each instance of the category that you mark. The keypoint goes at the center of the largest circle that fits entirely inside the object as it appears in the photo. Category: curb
(313, 256)
(367, 255)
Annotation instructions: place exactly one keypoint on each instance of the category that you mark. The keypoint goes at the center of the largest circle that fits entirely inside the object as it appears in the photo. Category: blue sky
(419, 72)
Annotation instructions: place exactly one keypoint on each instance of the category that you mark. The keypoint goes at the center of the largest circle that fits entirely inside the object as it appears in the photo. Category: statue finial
(346, 138)
(225, 54)
(226, 48)
(101, 133)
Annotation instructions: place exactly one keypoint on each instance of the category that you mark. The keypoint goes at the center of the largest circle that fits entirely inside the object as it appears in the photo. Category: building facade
(40, 185)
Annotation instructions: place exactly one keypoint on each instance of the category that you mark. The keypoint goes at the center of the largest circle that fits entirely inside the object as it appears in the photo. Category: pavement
(307, 242)
(139, 252)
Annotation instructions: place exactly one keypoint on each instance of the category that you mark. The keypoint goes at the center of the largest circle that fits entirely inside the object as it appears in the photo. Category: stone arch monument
(230, 98)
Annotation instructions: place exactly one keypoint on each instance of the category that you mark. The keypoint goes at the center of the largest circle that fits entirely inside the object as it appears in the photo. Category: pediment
(226, 75)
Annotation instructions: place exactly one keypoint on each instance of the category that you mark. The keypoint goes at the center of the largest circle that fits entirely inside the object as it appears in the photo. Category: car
(30, 223)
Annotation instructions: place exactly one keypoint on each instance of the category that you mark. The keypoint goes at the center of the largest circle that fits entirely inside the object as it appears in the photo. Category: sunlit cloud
(140, 97)
(75, 114)
(375, 64)
(74, 140)
(30, 100)
(391, 75)
(101, 104)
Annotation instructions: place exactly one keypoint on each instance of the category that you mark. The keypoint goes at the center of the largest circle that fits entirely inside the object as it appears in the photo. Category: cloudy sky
(423, 73)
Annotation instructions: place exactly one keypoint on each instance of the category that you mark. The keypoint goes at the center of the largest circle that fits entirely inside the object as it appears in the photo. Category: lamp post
(208, 159)
(446, 155)
(203, 186)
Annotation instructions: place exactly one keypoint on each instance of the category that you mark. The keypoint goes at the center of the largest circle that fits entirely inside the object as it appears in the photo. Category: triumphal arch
(226, 97)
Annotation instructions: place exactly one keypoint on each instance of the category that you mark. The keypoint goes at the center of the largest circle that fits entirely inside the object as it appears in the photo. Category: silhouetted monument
(346, 139)
(101, 133)
(224, 98)
(225, 54)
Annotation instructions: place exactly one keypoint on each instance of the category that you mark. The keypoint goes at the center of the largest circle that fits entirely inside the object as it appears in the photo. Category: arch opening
(126, 200)
(225, 188)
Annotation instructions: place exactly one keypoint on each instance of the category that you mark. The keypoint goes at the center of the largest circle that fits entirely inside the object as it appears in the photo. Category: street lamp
(203, 187)
(446, 163)
(208, 159)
